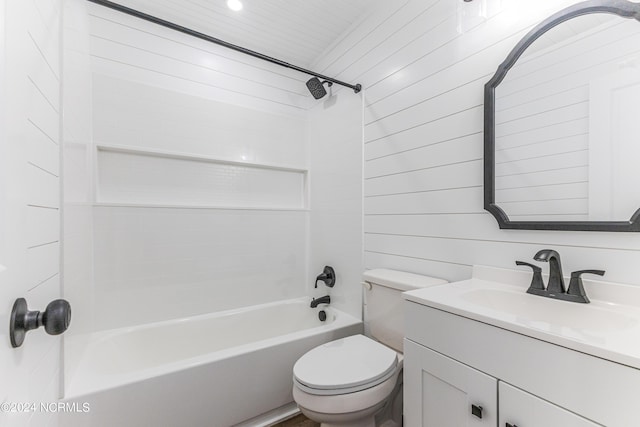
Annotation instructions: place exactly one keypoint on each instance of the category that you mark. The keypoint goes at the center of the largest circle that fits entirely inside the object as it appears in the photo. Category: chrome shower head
(316, 87)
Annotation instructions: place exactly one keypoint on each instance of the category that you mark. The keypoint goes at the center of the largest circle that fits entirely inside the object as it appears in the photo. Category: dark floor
(298, 421)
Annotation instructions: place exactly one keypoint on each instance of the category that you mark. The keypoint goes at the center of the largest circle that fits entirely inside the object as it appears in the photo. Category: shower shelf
(203, 207)
(143, 151)
(139, 177)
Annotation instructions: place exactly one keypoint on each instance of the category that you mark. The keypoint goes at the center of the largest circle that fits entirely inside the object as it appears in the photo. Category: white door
(29, 203)
(614, 151)
(441, 392)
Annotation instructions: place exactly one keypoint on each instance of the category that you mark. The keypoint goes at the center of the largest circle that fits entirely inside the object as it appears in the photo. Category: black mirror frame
(622, 8)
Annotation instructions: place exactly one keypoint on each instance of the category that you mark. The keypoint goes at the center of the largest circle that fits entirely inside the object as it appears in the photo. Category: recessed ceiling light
(234, 5)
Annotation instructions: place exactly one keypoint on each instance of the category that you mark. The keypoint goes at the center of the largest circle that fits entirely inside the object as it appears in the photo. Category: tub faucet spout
(323, 300)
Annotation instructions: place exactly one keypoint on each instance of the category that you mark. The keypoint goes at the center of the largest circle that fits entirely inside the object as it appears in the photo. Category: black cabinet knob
(55, 319)
(476, 410)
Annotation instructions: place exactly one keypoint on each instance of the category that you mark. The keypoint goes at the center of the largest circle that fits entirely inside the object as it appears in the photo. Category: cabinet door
(521, 409)
(441, 392)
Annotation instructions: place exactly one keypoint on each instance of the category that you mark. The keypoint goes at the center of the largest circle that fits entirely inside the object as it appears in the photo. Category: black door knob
(55, 318)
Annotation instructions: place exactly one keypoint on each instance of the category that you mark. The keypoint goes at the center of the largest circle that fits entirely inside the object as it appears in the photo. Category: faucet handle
(581, 272)
(534, 267)
(328, 276)
(576, 286)
(537, 285)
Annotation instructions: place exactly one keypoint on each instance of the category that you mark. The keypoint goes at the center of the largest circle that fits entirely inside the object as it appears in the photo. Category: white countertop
(608, 327)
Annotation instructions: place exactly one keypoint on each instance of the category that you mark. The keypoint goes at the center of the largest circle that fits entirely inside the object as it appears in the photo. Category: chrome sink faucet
(555, 287)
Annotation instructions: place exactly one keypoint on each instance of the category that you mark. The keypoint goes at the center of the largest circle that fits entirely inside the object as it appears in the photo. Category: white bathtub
(206, 371)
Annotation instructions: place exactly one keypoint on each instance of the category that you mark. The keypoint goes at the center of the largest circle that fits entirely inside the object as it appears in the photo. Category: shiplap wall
(30, 190)
(172, 96)
(543, 117)
(423, 81)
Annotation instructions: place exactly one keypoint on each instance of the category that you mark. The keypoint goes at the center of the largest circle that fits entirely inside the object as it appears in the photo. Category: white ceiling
(295, 31)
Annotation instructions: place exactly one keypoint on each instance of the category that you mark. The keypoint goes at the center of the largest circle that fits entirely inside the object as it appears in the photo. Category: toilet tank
(383, 314)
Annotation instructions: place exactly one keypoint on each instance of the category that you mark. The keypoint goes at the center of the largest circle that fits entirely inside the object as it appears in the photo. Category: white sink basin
(547, 314)
(604, 328)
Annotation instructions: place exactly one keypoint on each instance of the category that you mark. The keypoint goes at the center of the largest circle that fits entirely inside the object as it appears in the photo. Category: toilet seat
(345, 366)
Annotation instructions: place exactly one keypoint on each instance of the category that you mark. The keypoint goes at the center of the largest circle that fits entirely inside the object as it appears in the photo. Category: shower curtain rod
(120, 8)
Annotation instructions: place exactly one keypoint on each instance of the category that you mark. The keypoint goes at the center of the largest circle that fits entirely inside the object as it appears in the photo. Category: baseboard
(270, 418)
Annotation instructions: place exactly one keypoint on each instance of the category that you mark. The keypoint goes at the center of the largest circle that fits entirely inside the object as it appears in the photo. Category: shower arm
(150, 18)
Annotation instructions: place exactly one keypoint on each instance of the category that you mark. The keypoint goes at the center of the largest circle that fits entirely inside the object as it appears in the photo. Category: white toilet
(357, 381)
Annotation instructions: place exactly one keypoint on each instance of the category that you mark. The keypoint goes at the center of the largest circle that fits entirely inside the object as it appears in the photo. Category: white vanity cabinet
(453, 362)
(517, 408)
(441, 392)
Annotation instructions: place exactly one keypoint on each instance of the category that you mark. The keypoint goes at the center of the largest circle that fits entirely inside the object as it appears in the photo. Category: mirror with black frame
(562, 123)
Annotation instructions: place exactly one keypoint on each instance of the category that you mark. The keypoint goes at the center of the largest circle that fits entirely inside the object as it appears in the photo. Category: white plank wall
(31, 124)
(423, 81)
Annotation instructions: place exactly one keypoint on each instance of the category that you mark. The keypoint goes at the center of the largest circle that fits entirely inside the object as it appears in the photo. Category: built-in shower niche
(133, 177)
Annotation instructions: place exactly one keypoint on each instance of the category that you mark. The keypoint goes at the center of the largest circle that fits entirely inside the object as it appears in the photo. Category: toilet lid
(345, 365)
